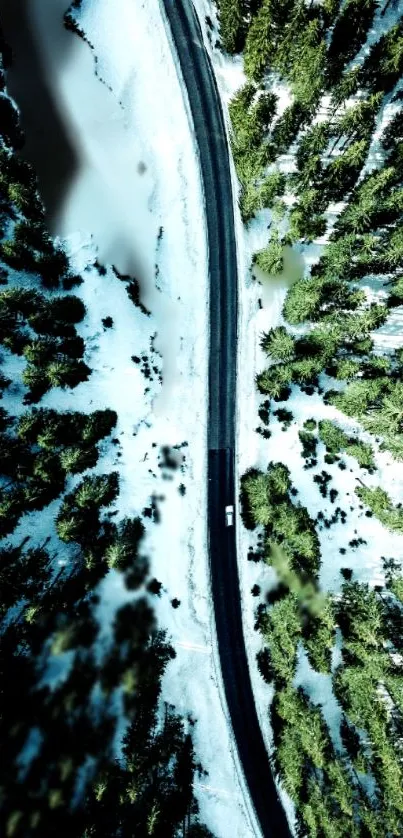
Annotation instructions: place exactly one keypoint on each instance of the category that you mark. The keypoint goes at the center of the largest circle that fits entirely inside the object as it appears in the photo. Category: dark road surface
(209, 125)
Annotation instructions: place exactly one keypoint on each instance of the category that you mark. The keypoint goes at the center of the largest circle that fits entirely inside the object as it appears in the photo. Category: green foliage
(309, 155)
(394, 578)
(310, 424)
(270, 260)
(308, 55)
(232, 25)
(357, 397)
(64, 373)
(31, 249)
(122, 552)
(281, 630)
(255, 496)
(329, 299)
(336, 441)
(360, 617)
(381, 505)
(284, 37)
(251, 116)
(39, 451)
(368, 623)
(359, 119)
(54, 358)
(78, 518)
(266, 32)
(317, 350)
(384, 63)
(275, 381)
(286, 129)
(348, 35)
(362, 211)
(302, 301)
(304, 225)
(377, 403)
(302, 741)
(266, 501)
(328, 811)
(257, 195)
(345, 88)
(341, 174)
(21, 571)
(309, 444)
(319, 634)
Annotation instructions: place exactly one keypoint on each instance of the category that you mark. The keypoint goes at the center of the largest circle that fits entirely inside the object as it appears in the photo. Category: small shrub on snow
(336, 441)
(270, 259)
(381, 505)
(278, 343)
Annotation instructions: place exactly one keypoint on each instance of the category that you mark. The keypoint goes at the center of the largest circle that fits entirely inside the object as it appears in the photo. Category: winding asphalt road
(208, 120)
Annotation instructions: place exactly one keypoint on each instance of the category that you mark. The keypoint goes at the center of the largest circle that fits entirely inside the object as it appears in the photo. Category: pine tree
(286, 130)
(281, 630)
(348, 36)
(122, 553)
(381, 505)
(358, 121)
(270, 260)
(278, 343)
(309, 154)
(340, 175)
(384, 64)
(232, 24)
(367, 199)
(306, 74)
(266, 34)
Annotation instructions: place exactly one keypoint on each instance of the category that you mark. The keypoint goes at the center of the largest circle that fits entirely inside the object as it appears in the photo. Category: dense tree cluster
(69, 782)
(366, 240)
(39, 451)
(327, 784)
(267, 501)
(339, 86)
(43, 331)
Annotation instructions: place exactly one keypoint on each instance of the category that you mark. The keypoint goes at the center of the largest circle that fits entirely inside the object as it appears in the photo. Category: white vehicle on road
(229, 516)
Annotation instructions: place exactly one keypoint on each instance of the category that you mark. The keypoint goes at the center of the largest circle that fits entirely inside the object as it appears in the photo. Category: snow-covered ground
(136, 203)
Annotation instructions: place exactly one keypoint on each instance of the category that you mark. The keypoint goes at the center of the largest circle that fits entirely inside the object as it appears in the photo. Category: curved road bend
(209, 125)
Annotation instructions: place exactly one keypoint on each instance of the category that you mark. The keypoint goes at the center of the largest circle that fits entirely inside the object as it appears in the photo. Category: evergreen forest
(317, 141)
